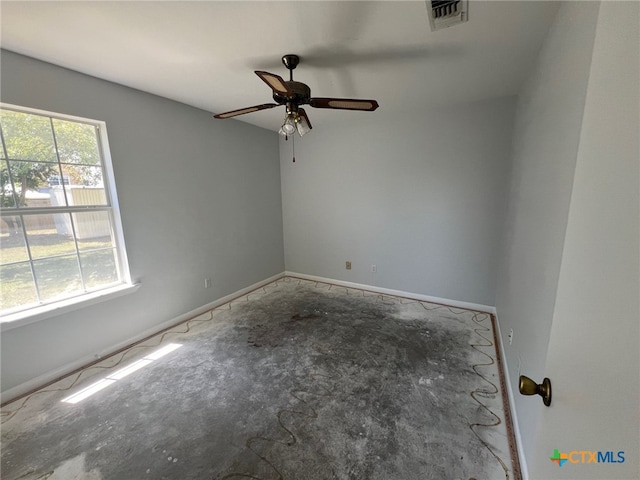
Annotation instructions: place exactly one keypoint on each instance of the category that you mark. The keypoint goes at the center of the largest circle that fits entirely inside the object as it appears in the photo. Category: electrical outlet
(207, 283)
(374, 268)
(348, 265)
(510, 336)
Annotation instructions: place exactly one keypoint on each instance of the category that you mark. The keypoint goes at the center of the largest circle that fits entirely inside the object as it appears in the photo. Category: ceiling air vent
(446, 13)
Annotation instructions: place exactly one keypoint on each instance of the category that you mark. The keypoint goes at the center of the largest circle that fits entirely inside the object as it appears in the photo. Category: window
(60, 235)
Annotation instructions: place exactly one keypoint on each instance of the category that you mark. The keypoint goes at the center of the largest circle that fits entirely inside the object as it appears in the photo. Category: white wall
(594, 348)
(422, 197)
(545, 146)
(199, 198)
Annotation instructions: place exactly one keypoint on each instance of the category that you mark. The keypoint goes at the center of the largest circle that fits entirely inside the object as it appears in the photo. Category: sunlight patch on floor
(120, 374)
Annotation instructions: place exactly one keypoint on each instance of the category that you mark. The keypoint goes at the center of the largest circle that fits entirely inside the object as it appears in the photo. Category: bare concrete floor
(298, 380)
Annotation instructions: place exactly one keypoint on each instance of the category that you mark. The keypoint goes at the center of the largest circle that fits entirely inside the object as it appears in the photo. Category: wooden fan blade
(242, 111)
(344, 103)
(304, 118)
(275, 82)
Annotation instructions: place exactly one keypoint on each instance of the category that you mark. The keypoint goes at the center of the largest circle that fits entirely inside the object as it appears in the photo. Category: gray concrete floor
(298, 380)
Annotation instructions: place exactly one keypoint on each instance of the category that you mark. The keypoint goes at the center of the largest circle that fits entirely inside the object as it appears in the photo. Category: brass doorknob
(529, 387)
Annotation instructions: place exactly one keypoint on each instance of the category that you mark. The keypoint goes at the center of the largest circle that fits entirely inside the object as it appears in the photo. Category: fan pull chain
(293, 142)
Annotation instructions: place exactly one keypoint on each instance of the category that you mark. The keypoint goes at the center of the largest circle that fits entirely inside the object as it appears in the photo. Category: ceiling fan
(293, 94)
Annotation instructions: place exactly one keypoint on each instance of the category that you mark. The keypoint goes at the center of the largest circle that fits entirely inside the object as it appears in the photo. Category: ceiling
(203, 53)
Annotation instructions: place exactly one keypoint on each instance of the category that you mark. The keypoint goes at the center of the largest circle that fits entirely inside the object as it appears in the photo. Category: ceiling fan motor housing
(301, 94)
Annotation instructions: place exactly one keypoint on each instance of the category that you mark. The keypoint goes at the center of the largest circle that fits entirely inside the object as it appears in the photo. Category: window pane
(31, 182)
(99, 267)
(28, 136)
(86, 196)
(77, 142)
(49, 234)
(93, 230)
(6, 190)
(16, 286)
(83, 175)
(59, 276)
(12, 245)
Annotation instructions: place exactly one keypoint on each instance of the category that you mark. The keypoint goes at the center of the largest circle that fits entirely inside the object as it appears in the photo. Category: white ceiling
(203, 53)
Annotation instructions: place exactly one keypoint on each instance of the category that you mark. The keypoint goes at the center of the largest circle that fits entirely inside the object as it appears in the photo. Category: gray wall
(594, 349)
(545, 147)
(422, 197)
(199, 198)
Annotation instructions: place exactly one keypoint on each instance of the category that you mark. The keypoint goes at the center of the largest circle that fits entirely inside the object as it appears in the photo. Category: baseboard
(397, 293)
(55, 375)
(510, 393)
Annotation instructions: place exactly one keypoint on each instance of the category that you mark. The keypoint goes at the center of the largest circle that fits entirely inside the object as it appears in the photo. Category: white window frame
(125, 285)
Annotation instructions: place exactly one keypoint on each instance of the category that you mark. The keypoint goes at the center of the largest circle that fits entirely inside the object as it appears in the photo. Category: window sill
(36, 314)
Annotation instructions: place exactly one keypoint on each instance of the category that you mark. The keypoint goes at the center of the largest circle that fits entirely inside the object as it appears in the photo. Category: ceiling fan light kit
(289, 125)
(292, 95)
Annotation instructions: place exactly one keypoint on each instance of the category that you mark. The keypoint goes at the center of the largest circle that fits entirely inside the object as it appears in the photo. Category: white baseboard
(514, 417)
(397, 293)
(53, 375)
